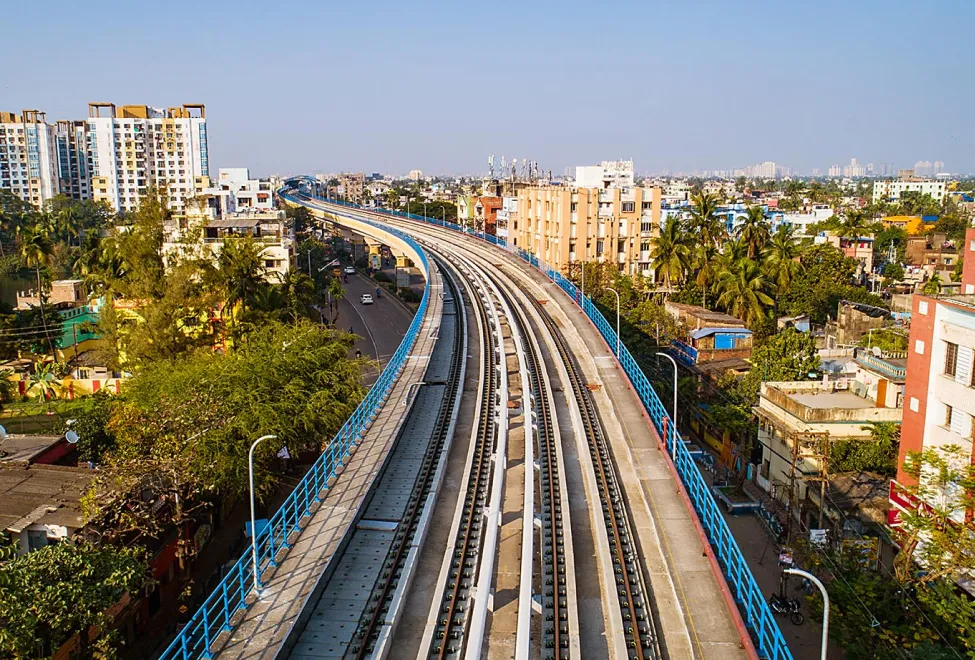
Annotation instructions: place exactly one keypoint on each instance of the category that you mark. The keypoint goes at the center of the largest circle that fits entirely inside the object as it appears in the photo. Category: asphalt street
(380, 327)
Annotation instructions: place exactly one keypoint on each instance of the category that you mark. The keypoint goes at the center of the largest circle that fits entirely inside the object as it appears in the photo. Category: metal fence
(754, 607)
(230, 596)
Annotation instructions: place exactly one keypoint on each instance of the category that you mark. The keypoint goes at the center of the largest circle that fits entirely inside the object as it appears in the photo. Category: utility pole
(813, 444)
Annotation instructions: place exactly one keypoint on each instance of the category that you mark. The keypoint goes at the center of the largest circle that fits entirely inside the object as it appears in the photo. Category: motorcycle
(379, 293)
(783, 605)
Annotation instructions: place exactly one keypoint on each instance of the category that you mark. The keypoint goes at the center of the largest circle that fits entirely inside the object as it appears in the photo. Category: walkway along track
(388, 525)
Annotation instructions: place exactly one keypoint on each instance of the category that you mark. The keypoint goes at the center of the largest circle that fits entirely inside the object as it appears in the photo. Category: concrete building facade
(608, 174)
(891, 191)
(563, 225)
(134, 147)
(28, 156)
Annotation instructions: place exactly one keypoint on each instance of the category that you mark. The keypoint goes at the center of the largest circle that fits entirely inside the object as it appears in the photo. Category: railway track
(453, 619)
(634, 599)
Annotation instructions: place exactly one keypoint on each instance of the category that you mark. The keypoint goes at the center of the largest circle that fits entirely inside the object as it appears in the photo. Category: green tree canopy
(49, 595)
(787, 355)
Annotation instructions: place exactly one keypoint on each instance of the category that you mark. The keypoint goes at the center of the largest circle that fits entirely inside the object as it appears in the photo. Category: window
(949, 411)
(919, 346)
(647, 206)
(629, 207)
(599, 247)
(951, 358)
(922, 307)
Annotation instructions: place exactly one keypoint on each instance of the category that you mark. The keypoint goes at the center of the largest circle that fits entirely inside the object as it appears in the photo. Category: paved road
(380, 326)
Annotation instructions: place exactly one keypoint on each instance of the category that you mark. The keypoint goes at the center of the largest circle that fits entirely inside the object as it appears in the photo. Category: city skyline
(383, 88)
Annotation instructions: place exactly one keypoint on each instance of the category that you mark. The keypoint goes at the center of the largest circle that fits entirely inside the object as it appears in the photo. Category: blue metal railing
(764, 629)
(230, 596)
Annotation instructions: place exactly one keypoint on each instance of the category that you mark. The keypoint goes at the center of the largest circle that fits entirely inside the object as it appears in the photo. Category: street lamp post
(609, 288)
(250, 468)
(673, 449)
(443, 216)
(812, 578)
(424, 209)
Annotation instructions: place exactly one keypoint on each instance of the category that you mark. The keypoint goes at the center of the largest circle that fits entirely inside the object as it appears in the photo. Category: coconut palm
(298, 290)
(742, 291)
(704, 219)
(670, 253)
(754, 231)
(933, 286)
(781, 264)
(241, 268)
(854, 224)
(706, 263)
(35, 252)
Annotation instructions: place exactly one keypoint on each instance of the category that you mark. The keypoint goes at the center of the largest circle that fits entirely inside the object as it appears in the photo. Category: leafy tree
(301, 218)
(91, 419)
(878, 454)
(51, 594)
(827, 277)
(936, 537)
(183, 428)
(886, 237)
(958, 270)
(893, 271)
(886, 339)
(706, 264)
(788, 355)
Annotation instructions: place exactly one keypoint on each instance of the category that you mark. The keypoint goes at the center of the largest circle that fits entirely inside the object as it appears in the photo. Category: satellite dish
(71, 437)
(876, 351)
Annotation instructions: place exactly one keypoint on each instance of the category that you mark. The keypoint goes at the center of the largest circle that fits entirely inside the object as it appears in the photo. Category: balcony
(892, 365)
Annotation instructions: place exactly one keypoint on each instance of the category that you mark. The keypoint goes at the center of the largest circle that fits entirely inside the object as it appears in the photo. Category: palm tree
(742, 287)
(706, 261)
(854, 224)
(704, 219)
(933, 286)
(754, 231)
(298, 290)
(782, 265)
(268, 300)
(45, 381)
(35, 252)
(670, 253)
(242, 268)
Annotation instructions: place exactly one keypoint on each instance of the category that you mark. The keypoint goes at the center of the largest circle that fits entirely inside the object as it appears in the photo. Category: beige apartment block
(563, 225)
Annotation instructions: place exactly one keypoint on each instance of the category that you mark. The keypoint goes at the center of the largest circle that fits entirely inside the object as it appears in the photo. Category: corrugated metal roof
(704, 332)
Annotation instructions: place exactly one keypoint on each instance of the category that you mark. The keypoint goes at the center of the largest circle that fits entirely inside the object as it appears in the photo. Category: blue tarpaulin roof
(704, 332)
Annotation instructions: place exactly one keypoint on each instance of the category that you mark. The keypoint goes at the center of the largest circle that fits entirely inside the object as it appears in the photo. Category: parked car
(349, 270)
(366, 299)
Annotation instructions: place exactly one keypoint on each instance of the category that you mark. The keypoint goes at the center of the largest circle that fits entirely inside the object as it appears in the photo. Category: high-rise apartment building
(28, 156)
(115, 155)
(563, 225)
(135, 147)
(74, 176)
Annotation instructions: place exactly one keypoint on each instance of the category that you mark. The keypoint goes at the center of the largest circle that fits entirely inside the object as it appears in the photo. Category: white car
(366, 299)
(349, 270)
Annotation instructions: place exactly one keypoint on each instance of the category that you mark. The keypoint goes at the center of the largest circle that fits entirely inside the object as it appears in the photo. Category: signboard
(375, 261)
(817, 537)
(402, 278)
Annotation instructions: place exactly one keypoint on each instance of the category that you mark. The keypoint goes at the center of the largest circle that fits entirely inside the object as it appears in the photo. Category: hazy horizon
(390, 87)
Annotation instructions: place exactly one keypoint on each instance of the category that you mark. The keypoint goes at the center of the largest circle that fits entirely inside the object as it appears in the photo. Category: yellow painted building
(562, 225)
(912, 224)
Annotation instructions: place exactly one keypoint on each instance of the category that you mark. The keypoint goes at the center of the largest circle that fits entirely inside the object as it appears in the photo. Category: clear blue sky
(383, 86)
